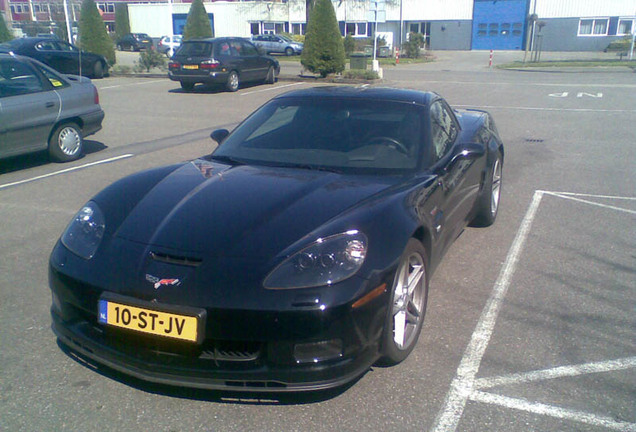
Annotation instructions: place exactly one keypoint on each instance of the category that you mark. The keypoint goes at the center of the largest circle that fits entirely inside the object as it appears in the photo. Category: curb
(286, 78)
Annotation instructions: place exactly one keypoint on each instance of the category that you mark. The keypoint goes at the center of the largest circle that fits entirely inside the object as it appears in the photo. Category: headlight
(325, 262)
(85, 232)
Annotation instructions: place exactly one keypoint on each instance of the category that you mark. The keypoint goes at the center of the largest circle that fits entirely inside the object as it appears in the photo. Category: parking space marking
(592, 110)
(463, 383)
(557, 372)
(573, 198)
(79, 167)
(272, 88)
(128, 85)
(465, 386)
(552, 411)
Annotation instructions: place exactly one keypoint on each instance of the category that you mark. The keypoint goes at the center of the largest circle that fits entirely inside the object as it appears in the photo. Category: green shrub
(149, 59)
(411, 48)
(323, 52)
(349, 45)
(198, 23)
(360, 74)
(5, 34)
(122, 20)
(93, 36)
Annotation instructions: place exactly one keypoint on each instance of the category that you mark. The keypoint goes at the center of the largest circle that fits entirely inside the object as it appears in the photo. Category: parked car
(41, 109)
(60, 55)
(225, 61)
(293, 257)
(270, 43)
(168, 44)
(135, 42)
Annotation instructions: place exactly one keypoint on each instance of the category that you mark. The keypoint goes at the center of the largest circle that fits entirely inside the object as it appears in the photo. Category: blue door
(499, 24)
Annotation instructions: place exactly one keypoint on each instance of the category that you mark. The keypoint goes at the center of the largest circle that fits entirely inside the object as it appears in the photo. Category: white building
(559, 25)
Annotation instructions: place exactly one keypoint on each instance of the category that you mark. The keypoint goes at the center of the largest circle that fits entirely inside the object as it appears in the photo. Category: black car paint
(268, 214)
(64, 61)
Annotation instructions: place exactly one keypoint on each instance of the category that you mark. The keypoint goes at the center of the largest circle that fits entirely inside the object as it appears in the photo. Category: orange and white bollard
(397, 56)
(490, 62)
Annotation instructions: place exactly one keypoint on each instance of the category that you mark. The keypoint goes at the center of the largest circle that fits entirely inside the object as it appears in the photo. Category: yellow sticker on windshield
(56, 83)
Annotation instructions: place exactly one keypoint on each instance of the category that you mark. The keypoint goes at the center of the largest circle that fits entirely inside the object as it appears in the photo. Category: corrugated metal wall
(583, 8)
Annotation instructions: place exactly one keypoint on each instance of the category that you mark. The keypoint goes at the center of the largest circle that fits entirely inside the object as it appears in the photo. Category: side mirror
(219, 135)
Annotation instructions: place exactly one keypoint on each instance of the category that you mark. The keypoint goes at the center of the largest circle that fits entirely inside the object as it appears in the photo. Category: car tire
(66, 143)
(187, 86)
(407, 305)
(289, 51)
(270, 78)
(233, 82)
(487, 204)
(98, 70)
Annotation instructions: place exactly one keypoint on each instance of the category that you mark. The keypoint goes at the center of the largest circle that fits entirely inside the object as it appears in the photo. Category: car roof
(212, 40)
(364, 92)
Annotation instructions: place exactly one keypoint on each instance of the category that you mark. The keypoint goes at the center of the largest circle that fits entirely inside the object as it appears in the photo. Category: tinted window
(249, 49)
(443, 129)
(18, 78)
(341, 134)
(198, 49)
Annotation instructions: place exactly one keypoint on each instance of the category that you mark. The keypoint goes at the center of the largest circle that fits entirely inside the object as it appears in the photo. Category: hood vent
(174, 259)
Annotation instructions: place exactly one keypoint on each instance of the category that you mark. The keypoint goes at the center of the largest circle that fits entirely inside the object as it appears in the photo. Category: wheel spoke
(399, 328)
(415, 277)
(412, 313)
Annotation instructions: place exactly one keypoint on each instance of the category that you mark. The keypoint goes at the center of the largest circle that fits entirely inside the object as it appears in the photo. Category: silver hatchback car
(41, 109)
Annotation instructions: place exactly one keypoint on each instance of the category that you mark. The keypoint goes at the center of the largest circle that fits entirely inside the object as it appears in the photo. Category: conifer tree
(198, 22)
(323, 51)
(93, 34)
(5, 34)
(122, 21)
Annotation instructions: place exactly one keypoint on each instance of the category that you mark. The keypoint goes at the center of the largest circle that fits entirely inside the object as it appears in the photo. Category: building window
(625, 27)
(274, 28)
(299, 28)
(255, 28)
(593, 27)
(356, 29)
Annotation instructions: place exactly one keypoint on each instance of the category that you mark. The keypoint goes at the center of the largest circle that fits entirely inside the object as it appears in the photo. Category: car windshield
(337, 134)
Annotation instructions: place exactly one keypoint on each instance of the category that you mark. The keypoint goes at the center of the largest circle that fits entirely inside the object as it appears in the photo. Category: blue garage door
(499, 24)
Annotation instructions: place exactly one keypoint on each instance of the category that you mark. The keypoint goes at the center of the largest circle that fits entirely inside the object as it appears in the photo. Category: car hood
(210, 209)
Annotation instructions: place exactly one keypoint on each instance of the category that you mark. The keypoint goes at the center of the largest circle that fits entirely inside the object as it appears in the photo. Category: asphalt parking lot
(530, 323)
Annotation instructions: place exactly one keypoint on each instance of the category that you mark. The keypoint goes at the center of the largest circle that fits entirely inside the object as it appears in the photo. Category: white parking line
(562, 413)
(463, 383)
(548, 109)
(129, 85)
(272, 88)
(65, 171)
(573, 198)
(557, 372)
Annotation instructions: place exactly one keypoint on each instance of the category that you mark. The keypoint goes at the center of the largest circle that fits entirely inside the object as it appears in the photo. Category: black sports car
(293, 257)
(60, 55)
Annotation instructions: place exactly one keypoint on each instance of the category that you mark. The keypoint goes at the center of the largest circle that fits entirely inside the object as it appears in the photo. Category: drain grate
(534, 140)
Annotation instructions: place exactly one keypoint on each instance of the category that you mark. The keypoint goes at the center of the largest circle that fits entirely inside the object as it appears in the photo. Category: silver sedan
(41, 109)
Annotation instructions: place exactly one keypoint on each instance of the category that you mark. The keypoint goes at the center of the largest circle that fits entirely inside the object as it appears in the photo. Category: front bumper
(255, 352)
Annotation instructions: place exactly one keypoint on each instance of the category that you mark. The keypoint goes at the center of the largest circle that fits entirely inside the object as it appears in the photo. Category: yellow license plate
(191, 66)
(148, 321)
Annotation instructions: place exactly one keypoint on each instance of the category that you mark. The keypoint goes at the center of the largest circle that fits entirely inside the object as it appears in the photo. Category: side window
(55, 80)
(18, 78)
(443, 129)
(235, 48)
(46, 46)
(248, 49)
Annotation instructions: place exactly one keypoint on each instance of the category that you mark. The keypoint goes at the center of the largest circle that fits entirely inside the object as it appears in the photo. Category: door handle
(49, 104)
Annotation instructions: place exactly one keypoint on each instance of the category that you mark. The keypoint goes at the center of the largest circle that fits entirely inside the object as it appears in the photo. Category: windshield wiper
(227, 159)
